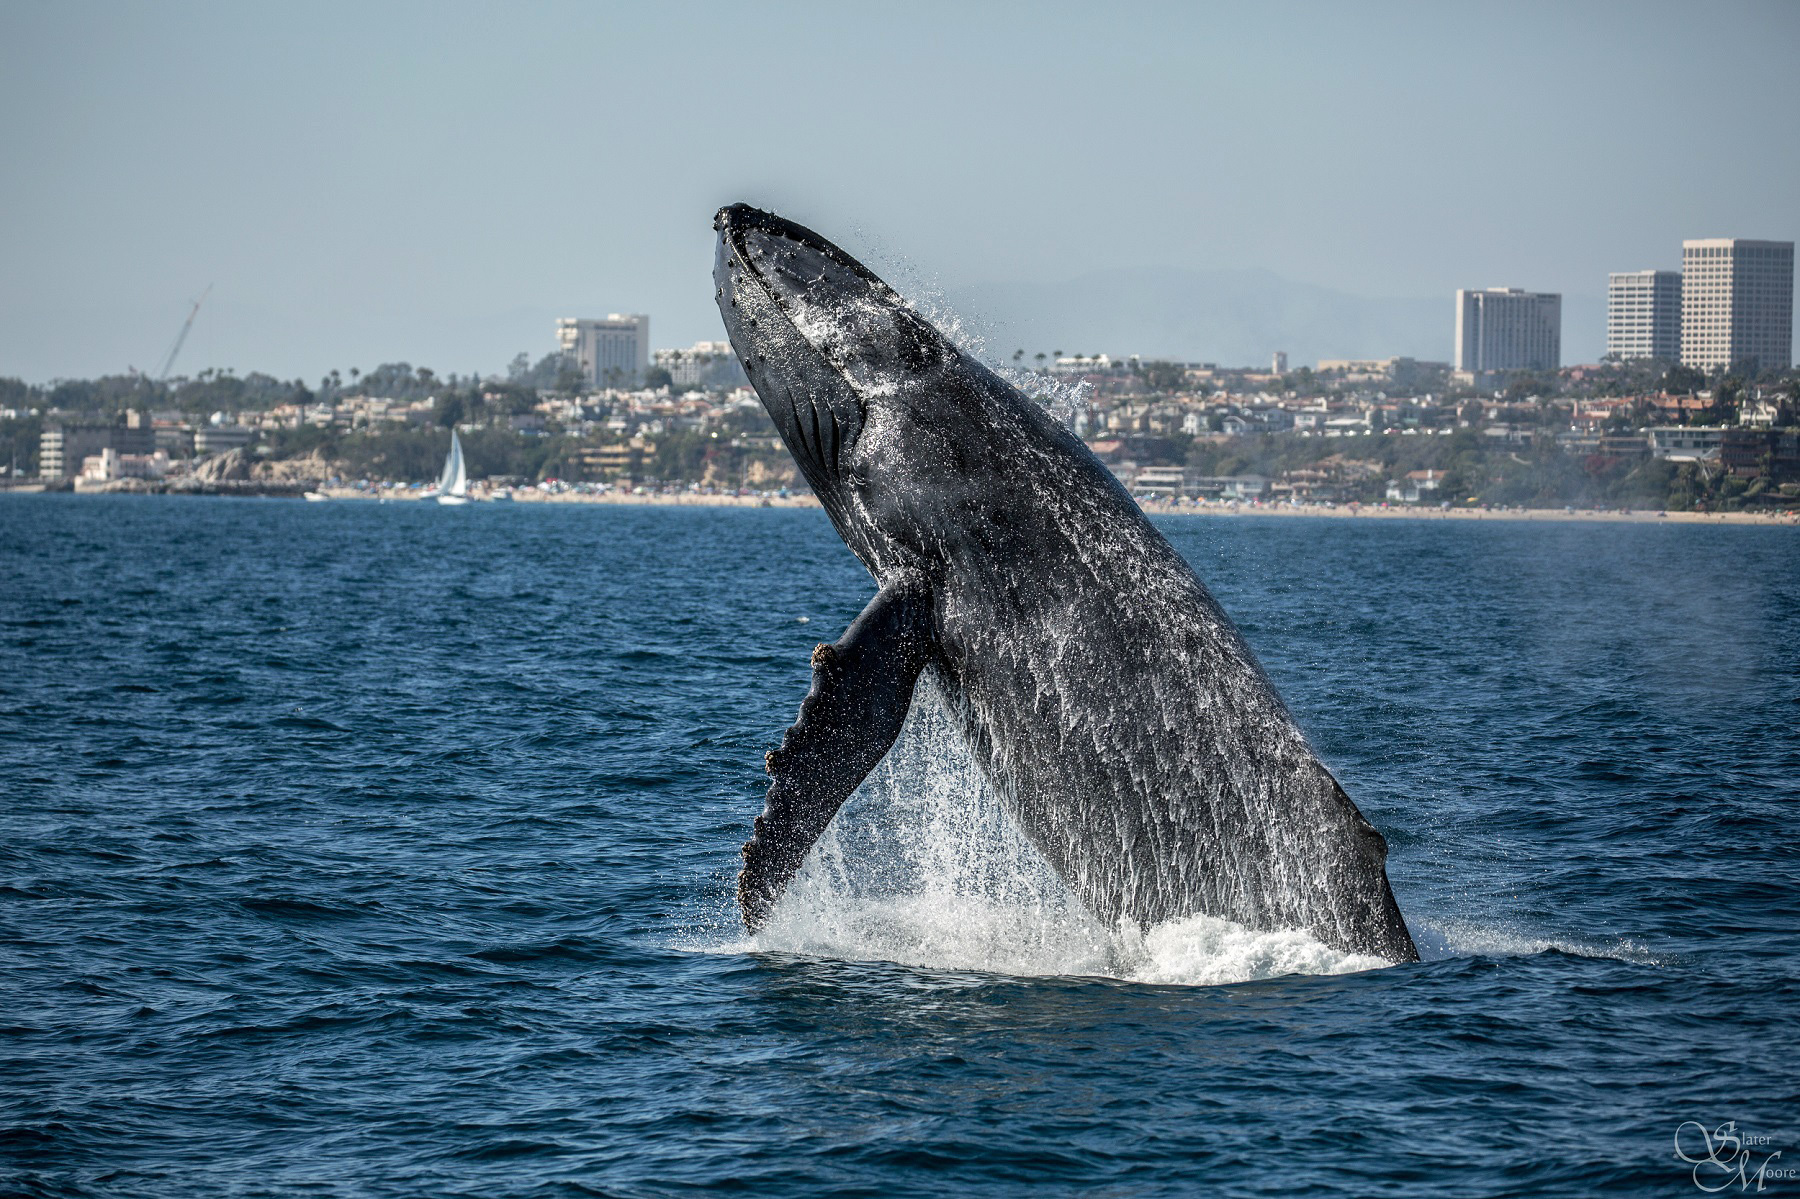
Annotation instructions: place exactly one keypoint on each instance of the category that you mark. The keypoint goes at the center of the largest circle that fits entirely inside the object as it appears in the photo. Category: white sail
(453, 484)
(449, 471)
(459, 480)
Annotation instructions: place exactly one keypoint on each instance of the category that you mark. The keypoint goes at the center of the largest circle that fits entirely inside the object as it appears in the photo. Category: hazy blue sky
(435, 182)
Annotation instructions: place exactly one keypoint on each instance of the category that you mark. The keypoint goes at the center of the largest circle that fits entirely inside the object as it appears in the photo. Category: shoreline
(1788, 519)
(685, 499)
(1539, 515)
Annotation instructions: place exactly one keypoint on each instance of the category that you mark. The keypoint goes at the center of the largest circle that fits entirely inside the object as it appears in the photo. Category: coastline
(1164, 508)
(694, 499)
(1541, 515)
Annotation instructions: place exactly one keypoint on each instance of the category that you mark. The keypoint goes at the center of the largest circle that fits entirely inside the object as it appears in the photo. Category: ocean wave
(1461, 938)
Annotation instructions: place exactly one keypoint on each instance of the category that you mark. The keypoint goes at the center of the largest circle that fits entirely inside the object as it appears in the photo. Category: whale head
(852, 375)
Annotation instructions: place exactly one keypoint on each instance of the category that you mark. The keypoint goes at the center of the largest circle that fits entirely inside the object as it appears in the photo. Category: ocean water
(387, 850)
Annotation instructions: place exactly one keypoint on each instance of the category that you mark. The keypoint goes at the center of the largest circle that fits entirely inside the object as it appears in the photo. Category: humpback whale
(1115, 709)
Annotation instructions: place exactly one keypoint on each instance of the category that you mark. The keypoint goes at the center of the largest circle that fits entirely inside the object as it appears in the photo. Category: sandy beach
(1305, 512)
(1544, 515)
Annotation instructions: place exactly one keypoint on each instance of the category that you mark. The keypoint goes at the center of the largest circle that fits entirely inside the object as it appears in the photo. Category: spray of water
(1065, 398)
(923, 866)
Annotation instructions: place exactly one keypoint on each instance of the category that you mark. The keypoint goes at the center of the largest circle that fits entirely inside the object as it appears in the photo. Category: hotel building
(1505, 329)
(1643, 315)
(1737, 303)
(614, 352)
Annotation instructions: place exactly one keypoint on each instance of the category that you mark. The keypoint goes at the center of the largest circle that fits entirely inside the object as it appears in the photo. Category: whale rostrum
(1108, 699)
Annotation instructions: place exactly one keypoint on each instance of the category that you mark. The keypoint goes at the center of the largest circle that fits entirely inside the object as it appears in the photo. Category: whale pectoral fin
(862, 687)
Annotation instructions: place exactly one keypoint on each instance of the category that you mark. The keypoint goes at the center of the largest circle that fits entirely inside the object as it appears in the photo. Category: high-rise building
(1505, 329)
(1737, 303)
(1643, 315)
(614, 352)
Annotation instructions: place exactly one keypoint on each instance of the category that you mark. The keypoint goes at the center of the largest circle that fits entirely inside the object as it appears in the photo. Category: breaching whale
(1115, 709)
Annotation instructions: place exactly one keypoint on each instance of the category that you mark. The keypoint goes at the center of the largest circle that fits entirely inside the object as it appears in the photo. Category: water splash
(1452, 937)
(924, 867)
(1066, 399)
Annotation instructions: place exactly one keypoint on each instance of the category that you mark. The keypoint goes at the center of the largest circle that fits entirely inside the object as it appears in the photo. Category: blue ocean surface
(387, 850)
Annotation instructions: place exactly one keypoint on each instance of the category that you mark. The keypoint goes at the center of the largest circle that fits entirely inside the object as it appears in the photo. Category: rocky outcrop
(311, 470)
(233, 466)
(761, 476)
(237, 472)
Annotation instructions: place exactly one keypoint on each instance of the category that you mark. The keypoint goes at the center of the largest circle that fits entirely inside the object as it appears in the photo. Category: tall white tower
(614, 352)
(1643, 314)
(1506, 329)
(1737, 303)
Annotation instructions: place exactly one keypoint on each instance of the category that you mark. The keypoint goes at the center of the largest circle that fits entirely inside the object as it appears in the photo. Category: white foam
(968, 932)
(1205, 950)
(1453, 938)
(975, 934)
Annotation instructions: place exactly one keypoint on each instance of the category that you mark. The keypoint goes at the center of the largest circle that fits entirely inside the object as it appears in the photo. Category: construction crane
(169, 362)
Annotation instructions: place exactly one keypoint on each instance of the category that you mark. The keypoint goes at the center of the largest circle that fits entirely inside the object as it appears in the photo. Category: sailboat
(453, 484)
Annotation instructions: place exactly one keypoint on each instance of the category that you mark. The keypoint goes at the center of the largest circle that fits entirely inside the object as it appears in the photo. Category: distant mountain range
(1231, 317)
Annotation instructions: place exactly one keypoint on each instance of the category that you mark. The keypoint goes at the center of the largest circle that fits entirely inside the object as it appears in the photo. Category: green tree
(1683, 380)
(569, 377)
(19, 441)
(1161, 377)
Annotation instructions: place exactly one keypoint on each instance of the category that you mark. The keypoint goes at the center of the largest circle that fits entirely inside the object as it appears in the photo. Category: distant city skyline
(438, 183)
